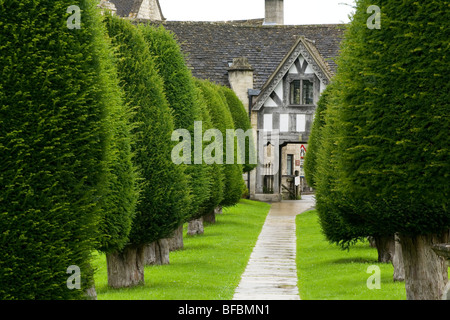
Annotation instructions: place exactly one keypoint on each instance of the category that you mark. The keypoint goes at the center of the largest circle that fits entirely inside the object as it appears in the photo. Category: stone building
(278, 71)
(135, 9)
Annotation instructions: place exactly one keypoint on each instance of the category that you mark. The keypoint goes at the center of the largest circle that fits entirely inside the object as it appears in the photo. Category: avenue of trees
(86, 122)
(379, 150)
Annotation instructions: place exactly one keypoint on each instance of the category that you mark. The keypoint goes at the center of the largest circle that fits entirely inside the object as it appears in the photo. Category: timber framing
(305, 48)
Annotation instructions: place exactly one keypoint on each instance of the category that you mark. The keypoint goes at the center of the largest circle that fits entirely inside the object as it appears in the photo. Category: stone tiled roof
(211, 46)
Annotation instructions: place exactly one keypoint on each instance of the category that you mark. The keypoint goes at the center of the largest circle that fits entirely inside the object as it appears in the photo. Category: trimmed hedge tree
(59, 99)
(122, 190)
(163, 193)
(393, 108)
(321, 169)
(241, 121)
(222, 120)
(217, 183)
(315, 138)
(180, 92)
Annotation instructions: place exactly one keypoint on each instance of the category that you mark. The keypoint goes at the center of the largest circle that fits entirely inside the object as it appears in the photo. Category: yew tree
(180, 89)
(321, 169)
(60, 115)
(163, 188)
(394, 151)
(241, 121)
(222, 120)
(217, 181)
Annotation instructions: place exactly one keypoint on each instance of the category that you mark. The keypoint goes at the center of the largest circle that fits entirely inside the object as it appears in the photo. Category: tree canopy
(180, 89)
(241, 121)
(58, 95)
(222, 120)
(393, 110)
(163, 196)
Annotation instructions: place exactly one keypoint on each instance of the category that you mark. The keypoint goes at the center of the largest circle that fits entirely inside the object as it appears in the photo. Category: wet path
(271, 273)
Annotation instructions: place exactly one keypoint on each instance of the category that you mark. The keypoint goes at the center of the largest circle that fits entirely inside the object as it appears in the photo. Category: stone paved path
(271, 273)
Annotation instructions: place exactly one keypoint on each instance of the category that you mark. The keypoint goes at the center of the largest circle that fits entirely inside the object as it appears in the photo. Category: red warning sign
(302, 151)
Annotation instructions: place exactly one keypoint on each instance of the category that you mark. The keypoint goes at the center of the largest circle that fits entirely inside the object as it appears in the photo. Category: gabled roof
(130, 8)
(210, 47)
(309, 52)
(124, 7)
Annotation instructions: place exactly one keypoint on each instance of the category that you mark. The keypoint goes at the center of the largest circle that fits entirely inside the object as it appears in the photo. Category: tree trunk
(195, 227)
(372, 241)
(157, 253)
(397, 261)
(176, 241)
(385, 247)
(446, 295)
(126, 268)
(91, 293)
(210, 218)
(425, 271)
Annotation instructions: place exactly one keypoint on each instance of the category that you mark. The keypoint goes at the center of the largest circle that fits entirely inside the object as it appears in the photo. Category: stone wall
(149, 10)
(274, 12)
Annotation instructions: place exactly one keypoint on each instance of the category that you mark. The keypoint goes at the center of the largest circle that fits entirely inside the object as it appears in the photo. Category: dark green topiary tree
(217, 183)
(393, 110)
(180, 92)
(163, 187)
(59, 101)
(122, 190)
(119, 202)
(320, 168)
(241, 121)
(222, 120)
(315, 138)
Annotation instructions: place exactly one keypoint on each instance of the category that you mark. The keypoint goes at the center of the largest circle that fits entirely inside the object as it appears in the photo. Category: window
(307, 92)
(301, 122)
(269, 150)
(284, 122)
(268, 184)
(295, 92)
(290, 164)
(267, 122)
(301, 92)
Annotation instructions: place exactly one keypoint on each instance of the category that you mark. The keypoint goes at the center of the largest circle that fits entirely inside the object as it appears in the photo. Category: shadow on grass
(192, 247)
(101, 289)
(206, 235)
(352, 260)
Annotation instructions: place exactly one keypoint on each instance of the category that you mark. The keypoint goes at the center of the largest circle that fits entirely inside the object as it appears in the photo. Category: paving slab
(271, 273)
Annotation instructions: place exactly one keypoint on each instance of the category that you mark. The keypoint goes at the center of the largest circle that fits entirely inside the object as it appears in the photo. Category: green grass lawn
(326, 272)
(208, 268)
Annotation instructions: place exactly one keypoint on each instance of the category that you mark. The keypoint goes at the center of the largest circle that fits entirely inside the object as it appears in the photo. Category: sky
(295, 11)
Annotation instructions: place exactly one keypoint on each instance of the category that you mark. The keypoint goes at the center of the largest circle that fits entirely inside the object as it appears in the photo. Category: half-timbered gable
(287, 101)
(284, 112)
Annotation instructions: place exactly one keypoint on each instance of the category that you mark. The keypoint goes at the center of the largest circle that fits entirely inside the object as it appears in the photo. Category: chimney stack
(274, 12)
(240, 76)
